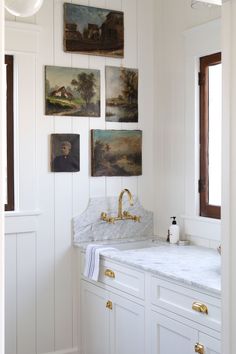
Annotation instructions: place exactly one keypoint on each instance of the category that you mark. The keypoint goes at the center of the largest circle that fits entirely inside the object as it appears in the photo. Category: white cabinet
(111, 324)
(126, 326)
(211, 345)
(173, 336)
(129, 311)
(94, 320)
(170, 336)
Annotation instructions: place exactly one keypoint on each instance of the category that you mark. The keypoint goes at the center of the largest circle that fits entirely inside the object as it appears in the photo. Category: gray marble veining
(191, 265)
(88, 226)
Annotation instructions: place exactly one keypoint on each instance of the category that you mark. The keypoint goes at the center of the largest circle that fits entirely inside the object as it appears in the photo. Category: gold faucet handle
(126, 213)
(137, 218)
(111, 220)
(103, 216)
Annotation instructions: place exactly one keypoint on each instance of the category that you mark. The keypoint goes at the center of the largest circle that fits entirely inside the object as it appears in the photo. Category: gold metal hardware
(109, 273)
(121, 215)
(109, 305)
(109, 219)
(199, 307)
(199, 348)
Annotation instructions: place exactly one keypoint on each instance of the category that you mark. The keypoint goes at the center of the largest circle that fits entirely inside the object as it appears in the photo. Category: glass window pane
(215, 121)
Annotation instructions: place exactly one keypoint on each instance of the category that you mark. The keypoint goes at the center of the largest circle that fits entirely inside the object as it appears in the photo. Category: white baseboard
(65, 351)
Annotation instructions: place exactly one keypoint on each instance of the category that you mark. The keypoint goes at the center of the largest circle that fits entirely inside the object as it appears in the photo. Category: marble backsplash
(88, 226)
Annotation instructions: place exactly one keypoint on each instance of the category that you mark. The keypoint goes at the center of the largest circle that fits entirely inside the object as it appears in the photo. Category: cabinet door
(127, 326)
(171, 336)
(94, 320)
(211, 345)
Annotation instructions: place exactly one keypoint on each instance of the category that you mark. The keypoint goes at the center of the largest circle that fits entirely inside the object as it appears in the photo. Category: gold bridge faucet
(122, 215)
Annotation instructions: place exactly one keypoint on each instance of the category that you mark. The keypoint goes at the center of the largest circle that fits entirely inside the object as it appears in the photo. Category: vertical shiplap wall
(43, 304)
(172, 19)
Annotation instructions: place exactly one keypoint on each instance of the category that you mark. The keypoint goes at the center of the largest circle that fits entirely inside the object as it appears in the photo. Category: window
(10, 133)
(210, 81)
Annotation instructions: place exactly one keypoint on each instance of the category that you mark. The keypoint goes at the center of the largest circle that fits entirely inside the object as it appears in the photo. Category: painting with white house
(72, 91)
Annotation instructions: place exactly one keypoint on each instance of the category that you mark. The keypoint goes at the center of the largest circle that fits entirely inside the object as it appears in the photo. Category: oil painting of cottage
(95, 31)
(72, 92)
(121, 94)
(116, 152)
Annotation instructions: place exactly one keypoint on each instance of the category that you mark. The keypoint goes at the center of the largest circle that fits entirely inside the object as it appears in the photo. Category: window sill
(198, 226)
(15, 213)
(18, 222)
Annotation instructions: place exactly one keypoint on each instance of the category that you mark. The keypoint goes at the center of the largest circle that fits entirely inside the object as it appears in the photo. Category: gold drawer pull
(109, 305)
(199, 348)
(197, 306)
(109, 273)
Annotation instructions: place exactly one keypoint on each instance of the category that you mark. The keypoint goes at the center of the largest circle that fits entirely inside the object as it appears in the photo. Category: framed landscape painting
(92, 30)
(121, 94)
(72, 92)
(116, 152)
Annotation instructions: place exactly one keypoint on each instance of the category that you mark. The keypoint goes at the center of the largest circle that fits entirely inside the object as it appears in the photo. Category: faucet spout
(122, 215)
(120, 212)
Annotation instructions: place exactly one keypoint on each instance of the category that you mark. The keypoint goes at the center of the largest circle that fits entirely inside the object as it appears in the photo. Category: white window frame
(199, 41)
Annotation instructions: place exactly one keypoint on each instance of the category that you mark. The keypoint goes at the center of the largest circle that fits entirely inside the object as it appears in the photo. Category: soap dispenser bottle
(174, 231)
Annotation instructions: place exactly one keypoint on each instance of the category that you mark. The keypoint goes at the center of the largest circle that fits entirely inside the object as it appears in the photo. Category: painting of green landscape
(116, 152)
(121, 94)
(72, 92)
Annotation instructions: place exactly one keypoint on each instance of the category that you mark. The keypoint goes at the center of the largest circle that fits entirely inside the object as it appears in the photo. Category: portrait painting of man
(65, 153)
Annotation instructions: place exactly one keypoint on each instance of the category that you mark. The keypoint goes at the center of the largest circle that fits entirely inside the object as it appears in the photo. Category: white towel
(92, 258)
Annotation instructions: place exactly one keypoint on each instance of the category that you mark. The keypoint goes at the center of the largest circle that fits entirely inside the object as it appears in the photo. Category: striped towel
(92, 257)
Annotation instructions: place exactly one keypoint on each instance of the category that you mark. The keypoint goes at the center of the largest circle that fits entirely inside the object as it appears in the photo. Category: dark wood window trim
(10, 133)
(207, 210)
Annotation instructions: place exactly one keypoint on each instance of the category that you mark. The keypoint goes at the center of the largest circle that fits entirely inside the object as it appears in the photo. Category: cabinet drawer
(120, 277)
(180, 300)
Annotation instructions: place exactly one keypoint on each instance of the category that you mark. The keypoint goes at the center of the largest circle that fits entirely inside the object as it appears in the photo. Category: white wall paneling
(199, 41)
(45, 181)
(228, 252)
(2, 176)
(21, 293)
(54, 198)
(172, 120)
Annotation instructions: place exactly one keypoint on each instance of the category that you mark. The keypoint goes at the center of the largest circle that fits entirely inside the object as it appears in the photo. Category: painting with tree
(72, 92)
(116, 152)
(121, 94)
(92, 30)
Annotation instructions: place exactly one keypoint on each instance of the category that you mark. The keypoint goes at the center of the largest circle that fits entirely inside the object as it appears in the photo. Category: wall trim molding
(206, 228)
(22, 26)
(65, 351)
(21, 222)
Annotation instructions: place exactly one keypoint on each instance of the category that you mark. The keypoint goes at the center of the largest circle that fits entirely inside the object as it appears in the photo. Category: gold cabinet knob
(109, 273)
(109, 305)
(199, 307)
(199, 348)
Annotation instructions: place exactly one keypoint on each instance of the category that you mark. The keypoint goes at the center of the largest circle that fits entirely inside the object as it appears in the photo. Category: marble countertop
(191, 265)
